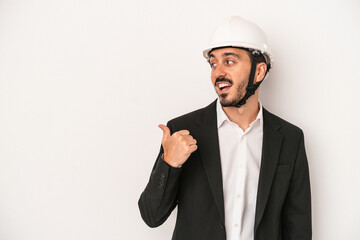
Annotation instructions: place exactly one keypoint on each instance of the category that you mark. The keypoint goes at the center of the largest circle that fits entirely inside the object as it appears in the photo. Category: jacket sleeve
(296, 212)
(160, 195)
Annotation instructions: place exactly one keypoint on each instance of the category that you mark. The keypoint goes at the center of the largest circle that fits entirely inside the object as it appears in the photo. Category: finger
(183, 132)
(193, 148)
(166, 131)
(192, 142)
(185, 137)
(188, 141)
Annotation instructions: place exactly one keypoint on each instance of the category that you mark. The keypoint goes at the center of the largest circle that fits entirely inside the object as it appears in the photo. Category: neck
(245, 114)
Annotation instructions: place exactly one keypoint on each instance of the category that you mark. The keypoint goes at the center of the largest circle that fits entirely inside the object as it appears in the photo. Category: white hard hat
(238, 32)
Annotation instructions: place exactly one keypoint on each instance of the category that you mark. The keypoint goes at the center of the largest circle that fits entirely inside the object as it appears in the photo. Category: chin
(225, 102)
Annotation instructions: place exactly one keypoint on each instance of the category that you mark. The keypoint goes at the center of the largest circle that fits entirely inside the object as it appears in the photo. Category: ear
(260, 72)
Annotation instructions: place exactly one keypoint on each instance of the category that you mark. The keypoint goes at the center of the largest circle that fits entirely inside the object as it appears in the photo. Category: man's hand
(177, 147)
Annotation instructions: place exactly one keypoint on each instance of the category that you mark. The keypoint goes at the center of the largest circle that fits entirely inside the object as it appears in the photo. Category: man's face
(230, 70)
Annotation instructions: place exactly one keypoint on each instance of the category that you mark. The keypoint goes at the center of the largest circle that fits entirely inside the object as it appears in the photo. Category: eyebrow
(225, 55)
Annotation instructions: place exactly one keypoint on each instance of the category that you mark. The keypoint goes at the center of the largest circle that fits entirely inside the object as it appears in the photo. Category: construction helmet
(239, 33)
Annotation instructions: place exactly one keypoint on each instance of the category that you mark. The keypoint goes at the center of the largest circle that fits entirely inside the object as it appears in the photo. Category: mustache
(223, 79)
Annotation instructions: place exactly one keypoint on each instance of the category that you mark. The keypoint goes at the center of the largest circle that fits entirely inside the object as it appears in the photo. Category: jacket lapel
(272, 141)
(210, 154)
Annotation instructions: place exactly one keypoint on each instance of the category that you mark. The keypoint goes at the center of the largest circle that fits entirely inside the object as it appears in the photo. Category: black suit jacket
(283, 207)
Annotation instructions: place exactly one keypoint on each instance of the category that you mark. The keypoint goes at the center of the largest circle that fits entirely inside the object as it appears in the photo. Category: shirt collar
(222, 117)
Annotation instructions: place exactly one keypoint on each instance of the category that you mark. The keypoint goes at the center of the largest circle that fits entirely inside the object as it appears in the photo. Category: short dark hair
(259, 58)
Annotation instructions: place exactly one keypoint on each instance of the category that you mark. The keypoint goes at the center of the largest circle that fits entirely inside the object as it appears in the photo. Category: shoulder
(283, 126)
(194, 118)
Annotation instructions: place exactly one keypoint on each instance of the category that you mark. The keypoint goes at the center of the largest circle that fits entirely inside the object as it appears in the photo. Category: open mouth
(223, 86)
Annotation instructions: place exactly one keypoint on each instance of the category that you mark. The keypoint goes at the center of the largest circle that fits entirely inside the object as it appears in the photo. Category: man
(234, 170)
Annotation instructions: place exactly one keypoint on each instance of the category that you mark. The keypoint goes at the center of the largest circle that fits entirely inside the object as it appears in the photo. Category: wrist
(163, 157)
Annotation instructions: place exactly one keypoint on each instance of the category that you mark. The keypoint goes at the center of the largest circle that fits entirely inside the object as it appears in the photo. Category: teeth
(222, 85)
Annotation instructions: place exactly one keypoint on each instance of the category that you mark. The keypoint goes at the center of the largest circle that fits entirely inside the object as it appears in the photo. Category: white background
(84, 84)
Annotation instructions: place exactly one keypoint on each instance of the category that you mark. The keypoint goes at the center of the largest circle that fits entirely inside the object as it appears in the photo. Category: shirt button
(239, 195)
(236, 225)
(241, 165)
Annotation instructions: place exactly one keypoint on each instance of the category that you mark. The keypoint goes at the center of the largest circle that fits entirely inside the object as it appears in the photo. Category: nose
(219, 71)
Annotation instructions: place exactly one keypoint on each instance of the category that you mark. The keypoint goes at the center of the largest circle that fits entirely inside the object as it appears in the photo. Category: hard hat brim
(267, 54)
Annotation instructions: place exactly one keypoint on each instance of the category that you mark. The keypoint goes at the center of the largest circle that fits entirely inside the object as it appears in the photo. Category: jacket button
(222, 227)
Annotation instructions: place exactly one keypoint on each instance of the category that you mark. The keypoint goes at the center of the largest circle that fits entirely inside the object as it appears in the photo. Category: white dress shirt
(240, 154)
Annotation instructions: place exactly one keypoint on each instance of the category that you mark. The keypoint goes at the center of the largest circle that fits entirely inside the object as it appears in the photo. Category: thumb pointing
(166, 131)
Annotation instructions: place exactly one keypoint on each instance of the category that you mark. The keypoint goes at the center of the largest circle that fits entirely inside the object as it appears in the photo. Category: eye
(212, 64)
(229, 62)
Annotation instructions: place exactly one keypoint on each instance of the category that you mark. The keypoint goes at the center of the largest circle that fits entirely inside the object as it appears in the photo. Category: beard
(240, 90)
